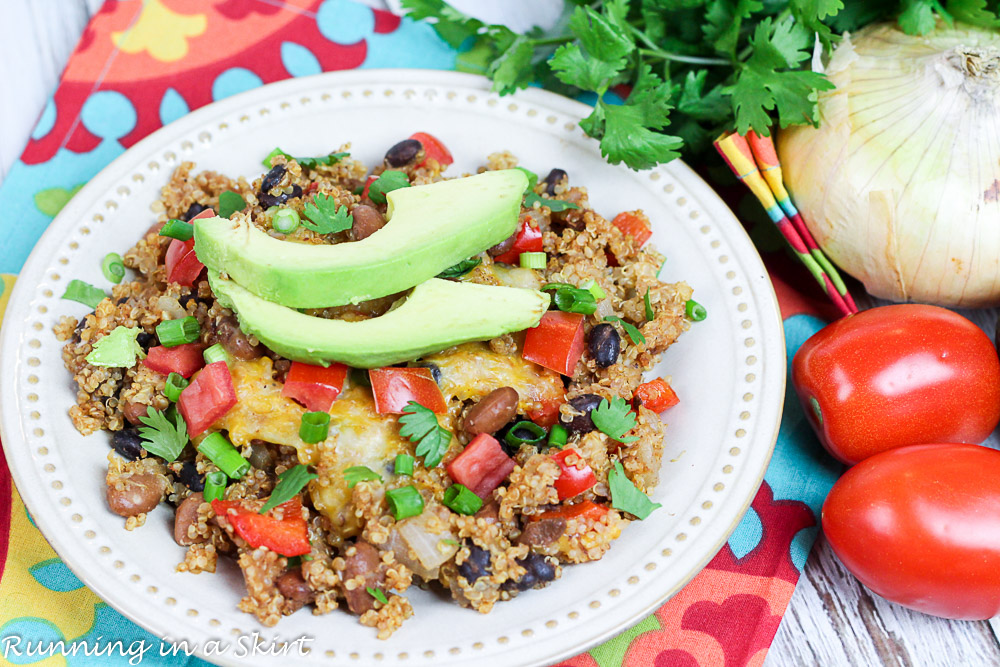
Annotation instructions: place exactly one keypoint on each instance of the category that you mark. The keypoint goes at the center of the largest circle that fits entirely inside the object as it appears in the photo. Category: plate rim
(761, 287)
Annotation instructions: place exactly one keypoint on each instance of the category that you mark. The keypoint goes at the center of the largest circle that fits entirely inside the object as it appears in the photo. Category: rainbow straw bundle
(754, 161)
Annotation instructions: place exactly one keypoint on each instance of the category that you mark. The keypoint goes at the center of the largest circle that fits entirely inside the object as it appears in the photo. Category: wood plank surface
(832, 619)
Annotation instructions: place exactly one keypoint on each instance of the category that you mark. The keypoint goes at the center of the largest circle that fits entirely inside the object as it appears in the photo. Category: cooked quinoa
(360, 556)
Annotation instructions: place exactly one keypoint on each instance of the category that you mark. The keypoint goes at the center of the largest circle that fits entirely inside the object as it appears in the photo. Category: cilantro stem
(548, 41)
(676, 57)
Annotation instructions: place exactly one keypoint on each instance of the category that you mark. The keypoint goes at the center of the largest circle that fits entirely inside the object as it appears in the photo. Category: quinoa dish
(351, 381)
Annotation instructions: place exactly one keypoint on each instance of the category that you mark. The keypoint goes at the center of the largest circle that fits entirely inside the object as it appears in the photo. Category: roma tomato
(920, 526)
(898, 375)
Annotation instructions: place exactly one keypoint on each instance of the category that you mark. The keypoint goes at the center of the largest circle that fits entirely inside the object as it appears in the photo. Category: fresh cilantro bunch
(687, 69)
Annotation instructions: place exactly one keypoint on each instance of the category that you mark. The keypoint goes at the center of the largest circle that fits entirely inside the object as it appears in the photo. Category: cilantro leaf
(650, 315)
(698, 104)
(512, 70)
(85, 293)
(724, 19)
(386, 183)
(163, 437)
(377, 594)
(290, 483)
(460, 269)
(614, 419)
(917, 17)
(626, 497)
(307, 162)
(453, 26)
(633, 331)
(576, 69)
(325, 217)
(118, 349)
(230, 202)
(356, 474)
(599, 37)
(973, 12)
(420, 425)
(555, 205)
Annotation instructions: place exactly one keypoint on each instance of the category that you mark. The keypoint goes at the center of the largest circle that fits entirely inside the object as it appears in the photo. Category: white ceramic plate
(728, 370)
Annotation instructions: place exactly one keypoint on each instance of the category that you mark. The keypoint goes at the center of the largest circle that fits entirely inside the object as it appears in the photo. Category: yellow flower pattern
(160, 31)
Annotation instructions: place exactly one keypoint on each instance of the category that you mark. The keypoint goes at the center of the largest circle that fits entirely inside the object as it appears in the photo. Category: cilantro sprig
(421, 426)
(614, 419)
(306, 162)
(387, 182)
(323, 216)
(694, 67)
(290, 483)
(626, 497)
(460, 269)
(162, 436)
(356, 474)
(633, 331)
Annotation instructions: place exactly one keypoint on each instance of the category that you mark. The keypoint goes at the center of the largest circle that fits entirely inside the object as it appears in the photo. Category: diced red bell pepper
(393, 388)
(182, 263)
(572, 481)
(635, 224)
(433, 148)
(314, 386)
(288, 536)
(557, 342)
(209, 396)
(368, 183)
(181, 359)
(656, 395)
(481, 466)
(528, 239)
(547, 412)
(585, 510)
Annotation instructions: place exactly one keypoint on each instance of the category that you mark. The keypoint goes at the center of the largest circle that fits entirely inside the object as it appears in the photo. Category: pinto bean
(133, 410)
(186, 516)
(363, 560)
(543, 532)
(492, 411)
(237, 343)
(141, 493)
(294, 588)
(490, 512)
(367, 221)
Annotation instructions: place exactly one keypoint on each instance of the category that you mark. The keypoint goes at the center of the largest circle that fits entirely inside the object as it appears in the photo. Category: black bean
(604, 345)
(146, 340)
(552, 180)
(193, 210)
(405, 152)
(127, 442)
(121, 300)
(476, 565)
(584, 403)
(183, 300)
(538, 570)
(190, 478)
(434, 368)
(267, 201)
(273, 177)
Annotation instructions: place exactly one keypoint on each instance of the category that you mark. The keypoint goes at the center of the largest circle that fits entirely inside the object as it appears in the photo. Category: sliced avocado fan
(436, 315)
(430, 228)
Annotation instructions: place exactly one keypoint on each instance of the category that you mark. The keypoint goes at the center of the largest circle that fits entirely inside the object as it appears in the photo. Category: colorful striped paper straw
(770, 167)
(736, 152)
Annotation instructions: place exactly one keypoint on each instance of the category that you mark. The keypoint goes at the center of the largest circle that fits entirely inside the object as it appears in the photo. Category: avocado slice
(436, 315)
(429, 228)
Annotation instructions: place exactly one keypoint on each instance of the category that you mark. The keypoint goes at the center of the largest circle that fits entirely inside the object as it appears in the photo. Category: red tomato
(547, 412)
(288, 536)
(635, 224)
(181, 359)
(481, 466)
(572, 481)
(393, 388)
(557, 342)
(182, 263)
(368, 184)
(920, 526)
(209, 396)
(433, 148)
(314, 386)
(585, 510)
(898, 375)
(656, 395)
(528, 239)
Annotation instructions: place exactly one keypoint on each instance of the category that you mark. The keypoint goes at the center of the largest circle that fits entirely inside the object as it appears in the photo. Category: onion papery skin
(900, 183)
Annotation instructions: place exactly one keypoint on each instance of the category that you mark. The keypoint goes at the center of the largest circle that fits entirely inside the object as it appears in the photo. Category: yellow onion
(899, 183)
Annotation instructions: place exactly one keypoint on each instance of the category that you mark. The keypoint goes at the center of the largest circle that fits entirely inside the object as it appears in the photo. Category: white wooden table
(832, 619)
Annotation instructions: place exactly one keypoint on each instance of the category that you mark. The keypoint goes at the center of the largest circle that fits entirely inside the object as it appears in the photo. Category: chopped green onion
(222, 453)
(377, 594)
(112, 267)
(290, 483)
(404, 502)
(285, 220)
(575, 300)
(315, 426)
(176, 383)
(514, 440)
(84, 293)
(230, 202)
(460, 499)
(695, 311)
(404, 465)
(215, 486)
(356, 474)
(650, 315)
(215, 353)
(558, 436)
(178, 229)
(595, 289)
(533, 260)
(178, 332)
